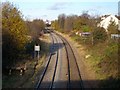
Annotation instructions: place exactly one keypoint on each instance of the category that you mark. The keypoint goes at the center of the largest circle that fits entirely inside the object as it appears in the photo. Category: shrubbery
(99, 35)
(109, 64)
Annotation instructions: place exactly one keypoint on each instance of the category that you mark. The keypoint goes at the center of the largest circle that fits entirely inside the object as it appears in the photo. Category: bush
(99, 35)
(86, 28)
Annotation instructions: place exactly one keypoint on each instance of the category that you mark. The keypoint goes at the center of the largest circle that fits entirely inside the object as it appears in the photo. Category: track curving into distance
(74, 78)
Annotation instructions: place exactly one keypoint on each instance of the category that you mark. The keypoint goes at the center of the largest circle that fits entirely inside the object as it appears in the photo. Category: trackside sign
(37, 48)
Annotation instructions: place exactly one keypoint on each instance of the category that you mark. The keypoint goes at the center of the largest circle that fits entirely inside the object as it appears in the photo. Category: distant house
(106, 20)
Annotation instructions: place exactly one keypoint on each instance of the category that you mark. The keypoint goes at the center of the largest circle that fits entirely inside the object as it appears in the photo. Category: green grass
(106, 62)
(103, 60)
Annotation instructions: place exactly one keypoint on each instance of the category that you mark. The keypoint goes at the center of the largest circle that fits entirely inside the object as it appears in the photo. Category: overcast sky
(50, 9)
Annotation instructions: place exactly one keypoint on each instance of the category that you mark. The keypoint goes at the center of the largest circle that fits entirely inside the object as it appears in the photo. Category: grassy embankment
(104, 60)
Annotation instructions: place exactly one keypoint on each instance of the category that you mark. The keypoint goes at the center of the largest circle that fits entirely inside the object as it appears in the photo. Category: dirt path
(87, 74)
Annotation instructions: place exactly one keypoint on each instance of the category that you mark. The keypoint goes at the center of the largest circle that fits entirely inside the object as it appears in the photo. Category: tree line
(74, 22)
(15, 33)
(84, 23)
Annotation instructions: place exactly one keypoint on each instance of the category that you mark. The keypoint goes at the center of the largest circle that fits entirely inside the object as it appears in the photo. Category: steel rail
(66, 42)
(55, 66)
(46, 67)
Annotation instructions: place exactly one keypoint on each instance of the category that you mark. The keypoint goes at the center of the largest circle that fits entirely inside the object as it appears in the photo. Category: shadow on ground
(55, 47)
(109, 83)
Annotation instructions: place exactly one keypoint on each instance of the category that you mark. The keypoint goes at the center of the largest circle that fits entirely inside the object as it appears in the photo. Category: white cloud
(59, 6)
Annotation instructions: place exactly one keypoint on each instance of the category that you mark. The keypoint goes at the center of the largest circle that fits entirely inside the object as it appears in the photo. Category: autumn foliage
(14, 34)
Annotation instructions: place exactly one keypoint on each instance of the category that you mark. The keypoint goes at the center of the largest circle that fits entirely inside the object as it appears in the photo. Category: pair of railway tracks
(74, 78)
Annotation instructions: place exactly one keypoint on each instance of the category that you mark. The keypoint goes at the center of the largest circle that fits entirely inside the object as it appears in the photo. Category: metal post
(38, 55)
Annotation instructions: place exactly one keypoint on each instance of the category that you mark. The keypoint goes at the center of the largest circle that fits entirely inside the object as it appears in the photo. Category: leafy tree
(61, 21)
(55, 24)
(35, 27)
(99, 35)
(14, 33)
(84, 18)
(69, 22)
(77, 24)
(85, 29)
(82, 22)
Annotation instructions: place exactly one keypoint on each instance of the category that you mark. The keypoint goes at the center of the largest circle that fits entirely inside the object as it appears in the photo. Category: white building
(107, 20)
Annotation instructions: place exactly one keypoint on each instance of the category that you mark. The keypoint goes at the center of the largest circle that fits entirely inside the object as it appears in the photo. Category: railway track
(43, 79)
(74, 78)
